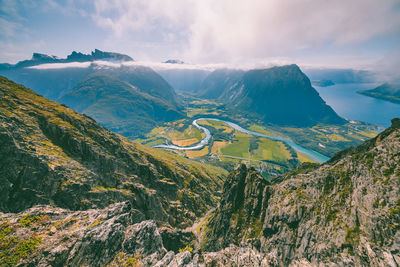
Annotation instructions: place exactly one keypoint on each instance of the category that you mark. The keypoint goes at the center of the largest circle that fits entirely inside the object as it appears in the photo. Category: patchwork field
(223, 127)
(228, 147)
(197, 153)
(271, 151)
(239, 146)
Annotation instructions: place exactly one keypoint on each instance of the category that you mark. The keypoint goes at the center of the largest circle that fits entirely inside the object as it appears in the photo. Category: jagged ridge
(344, 212)
(38, 58)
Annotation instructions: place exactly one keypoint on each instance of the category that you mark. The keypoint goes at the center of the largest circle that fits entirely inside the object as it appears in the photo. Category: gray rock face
(175, 239)
(96, 237)
(345, 212)
(99, 244)
(181, 259)
(242, 208)
(85, 238)
(239, 256)
(143, 238)
(165, 260)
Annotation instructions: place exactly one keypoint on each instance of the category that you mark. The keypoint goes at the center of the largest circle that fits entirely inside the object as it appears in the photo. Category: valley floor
(228, 146)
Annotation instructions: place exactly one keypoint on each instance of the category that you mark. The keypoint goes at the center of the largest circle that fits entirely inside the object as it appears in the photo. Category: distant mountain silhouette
(38, 59)
(174, 61)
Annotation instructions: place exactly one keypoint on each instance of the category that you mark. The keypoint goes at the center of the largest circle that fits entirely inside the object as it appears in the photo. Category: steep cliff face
(184, 80)
(279, 95)
(243, 204)
(346, 211)
(53, 155)
(282, 95)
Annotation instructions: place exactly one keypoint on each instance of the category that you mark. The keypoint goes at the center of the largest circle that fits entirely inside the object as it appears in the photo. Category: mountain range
(132, 99)
(74, 193)
(139, 94)
(38, 58)
(192, 80)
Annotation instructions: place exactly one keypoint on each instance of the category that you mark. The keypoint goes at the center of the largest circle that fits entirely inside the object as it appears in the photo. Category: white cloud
(8, 28)
(388, 67)
(50, 66)
(107, 64)
(234, 30)
(124, 17)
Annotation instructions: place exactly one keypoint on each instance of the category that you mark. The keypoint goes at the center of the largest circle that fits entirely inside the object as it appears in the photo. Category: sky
(336, 33)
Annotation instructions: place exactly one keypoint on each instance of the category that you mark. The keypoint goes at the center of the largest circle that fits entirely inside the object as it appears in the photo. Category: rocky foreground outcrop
(117, 236)
(345, 212)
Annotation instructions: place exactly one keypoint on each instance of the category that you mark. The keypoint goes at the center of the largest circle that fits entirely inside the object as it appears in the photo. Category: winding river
(310, 153)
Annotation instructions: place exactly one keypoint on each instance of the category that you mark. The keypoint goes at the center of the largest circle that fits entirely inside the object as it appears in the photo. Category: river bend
(310, 153)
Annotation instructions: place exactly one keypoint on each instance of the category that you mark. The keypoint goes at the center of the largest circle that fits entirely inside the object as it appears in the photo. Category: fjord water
(345, 100)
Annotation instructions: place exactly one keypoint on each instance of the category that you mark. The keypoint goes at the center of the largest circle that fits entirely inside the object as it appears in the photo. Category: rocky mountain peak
(174, 61)
(280, 95)
(97, 55)
(38, 56)
(243, 202)
(78, 56)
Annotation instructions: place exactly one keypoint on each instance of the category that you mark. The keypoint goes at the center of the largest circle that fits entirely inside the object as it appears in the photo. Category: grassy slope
(77, 157)
(119, 106)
